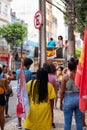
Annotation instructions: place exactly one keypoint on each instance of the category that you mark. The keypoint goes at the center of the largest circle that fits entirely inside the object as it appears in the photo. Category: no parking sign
(38, 19)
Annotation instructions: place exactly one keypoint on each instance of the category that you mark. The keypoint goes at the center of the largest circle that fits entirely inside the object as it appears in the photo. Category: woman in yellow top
(41, 94)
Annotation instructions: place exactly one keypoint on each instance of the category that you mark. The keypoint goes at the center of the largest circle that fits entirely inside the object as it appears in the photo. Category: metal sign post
(40, 23)
(42, 33)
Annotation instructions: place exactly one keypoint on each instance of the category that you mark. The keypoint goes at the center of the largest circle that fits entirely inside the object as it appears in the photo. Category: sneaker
(53, 125)
(19, 126)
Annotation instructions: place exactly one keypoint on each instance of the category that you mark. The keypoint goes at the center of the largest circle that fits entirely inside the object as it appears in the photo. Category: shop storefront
(4, 58)
(4, 53)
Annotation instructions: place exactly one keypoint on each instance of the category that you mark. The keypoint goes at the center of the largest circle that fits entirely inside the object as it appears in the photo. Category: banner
(22, 95)
(50, 53)
(81, 75)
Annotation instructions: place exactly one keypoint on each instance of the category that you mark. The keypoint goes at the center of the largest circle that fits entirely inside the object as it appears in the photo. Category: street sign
(38, 19)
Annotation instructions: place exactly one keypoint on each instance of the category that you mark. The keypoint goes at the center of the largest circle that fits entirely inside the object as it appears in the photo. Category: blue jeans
(71, 104)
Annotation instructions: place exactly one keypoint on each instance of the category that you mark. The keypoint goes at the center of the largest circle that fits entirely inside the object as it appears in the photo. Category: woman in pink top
(51, 68)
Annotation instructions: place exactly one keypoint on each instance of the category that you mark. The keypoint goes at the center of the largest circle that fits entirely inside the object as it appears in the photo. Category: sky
(25, 10)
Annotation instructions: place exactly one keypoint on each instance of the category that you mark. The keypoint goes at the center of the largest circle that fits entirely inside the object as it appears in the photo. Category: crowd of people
(5, 92)
(50, 83)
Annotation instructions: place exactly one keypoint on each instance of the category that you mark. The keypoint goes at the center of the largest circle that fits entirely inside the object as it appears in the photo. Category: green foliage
(78, 52)
(80, 14)
(65, 19)
(14, 33)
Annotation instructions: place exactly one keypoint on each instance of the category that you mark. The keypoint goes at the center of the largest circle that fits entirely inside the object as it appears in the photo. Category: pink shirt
(53, 80)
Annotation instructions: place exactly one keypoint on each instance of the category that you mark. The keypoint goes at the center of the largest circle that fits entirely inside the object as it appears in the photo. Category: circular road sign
(38, 19)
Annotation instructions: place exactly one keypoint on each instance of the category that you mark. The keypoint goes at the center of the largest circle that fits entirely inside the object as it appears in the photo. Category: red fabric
(19, 109)
(81, 78)
(21, 83)
(83, 104)
(83, 87)
(22, 95)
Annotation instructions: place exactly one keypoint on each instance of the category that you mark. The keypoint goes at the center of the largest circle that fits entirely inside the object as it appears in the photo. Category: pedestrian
(60, 42)
(59, 45)
(69, 97)
(51, 43)
(51, 69)
(60, 75)
(9, 92)
(65, 47)
(59, 78)
(41, 94)
(65, 71)
(3, 87)
(28, 75)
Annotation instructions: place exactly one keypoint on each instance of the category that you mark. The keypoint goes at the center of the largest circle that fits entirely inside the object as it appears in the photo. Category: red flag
(81, 78)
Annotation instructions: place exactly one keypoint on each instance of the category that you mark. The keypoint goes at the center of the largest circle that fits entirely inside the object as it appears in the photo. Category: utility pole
(42, 33)
(71, 22)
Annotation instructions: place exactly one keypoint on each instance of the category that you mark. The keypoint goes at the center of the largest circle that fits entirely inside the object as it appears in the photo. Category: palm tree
(71, 23)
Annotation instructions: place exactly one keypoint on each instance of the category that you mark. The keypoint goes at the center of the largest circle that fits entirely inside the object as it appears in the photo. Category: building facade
(4, 12)
(4, 19)
(51, 23)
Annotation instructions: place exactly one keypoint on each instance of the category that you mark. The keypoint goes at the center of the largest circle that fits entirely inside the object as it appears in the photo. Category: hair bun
(72, 59)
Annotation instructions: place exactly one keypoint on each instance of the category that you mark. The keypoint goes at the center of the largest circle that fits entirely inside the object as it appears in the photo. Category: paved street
(58, 119)
(12, 122)
(11, 125)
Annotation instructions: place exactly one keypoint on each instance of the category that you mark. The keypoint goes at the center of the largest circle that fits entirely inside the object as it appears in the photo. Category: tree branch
(56, 7)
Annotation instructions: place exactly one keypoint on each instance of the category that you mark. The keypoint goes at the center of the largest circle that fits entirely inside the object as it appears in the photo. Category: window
(0, 7)
(5, 12)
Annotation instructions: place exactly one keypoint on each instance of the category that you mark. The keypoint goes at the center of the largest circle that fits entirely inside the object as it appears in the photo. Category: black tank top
(2, 99)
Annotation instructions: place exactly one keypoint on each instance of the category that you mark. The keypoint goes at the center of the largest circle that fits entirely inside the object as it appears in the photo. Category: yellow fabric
(81, 59)
(1, 90)
(60, 77)
(2, 86)
(39, 116)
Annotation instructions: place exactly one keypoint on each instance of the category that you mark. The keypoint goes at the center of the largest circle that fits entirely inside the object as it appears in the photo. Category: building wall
(54, 27)
(4, 19)
(51, 23)
(27, 12)
(61, 27)
(4, 11)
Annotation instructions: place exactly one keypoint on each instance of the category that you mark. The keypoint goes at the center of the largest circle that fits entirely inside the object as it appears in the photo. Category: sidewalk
(58, 119)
